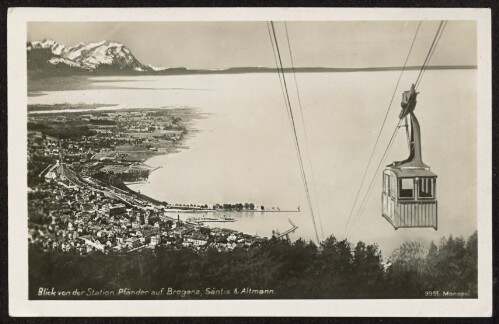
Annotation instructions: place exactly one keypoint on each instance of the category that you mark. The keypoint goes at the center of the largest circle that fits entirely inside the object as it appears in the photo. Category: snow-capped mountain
(104, 56)
(155, 68)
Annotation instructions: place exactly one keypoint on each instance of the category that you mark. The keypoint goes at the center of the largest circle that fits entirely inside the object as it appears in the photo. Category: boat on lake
(221, 219)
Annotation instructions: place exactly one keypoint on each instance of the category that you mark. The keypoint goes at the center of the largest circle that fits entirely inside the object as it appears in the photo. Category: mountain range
(49, 58)
(103, 57)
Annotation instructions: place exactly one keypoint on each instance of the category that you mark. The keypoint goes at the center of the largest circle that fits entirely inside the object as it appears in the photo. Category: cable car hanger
(408, 197)
(409, 187)
(420, 209)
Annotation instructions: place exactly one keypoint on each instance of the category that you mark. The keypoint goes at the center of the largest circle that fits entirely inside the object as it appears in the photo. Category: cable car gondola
(409, 187)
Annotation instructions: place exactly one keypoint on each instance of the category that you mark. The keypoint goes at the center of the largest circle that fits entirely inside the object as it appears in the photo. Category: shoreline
(193, 210)
(187, 209)
(230, 211)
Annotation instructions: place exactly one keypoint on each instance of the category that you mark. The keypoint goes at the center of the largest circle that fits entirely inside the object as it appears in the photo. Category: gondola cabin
(409, 197)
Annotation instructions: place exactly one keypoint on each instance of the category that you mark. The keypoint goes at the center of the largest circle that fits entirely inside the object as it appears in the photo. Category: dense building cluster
(69, 218)
(76, 203)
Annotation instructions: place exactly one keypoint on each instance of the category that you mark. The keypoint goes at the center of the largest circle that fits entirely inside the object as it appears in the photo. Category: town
(78, 202)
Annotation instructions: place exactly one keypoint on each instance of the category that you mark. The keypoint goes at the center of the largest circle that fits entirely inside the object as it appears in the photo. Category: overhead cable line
(381, 130)
(432, 52)
(418, 80)
(277, 66)
(426, 60)
(290, 111)
(304, 129)
(370, 187)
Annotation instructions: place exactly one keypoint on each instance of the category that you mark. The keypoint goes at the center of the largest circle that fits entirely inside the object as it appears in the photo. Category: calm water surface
(245, 152)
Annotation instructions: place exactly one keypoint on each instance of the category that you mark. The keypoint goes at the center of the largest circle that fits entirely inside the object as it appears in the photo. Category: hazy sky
(215, 45)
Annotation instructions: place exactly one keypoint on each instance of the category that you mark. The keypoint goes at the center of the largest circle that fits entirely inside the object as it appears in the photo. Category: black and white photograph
(269, 157)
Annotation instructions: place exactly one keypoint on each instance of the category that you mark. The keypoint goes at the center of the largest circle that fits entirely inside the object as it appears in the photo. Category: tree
(205, 230)
(169, 223)
(367, 264)
(338, 269)
(408, 269)
(470, 263)
(450, 264)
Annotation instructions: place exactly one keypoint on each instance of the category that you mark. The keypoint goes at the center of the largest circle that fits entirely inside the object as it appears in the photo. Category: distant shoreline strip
(313, 69)
(244, 70)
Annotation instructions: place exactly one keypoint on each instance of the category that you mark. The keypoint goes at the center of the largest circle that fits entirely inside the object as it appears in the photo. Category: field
(118, 168)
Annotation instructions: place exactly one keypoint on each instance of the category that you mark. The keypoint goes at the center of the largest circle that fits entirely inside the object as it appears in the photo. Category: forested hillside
(337, 269)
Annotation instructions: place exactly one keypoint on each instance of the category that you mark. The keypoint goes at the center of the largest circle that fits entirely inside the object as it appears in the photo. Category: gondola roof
(411, 173)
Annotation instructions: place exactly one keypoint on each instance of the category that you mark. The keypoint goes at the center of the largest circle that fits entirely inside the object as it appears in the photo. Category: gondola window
(387, 185)
(425, 188)
(406, 188)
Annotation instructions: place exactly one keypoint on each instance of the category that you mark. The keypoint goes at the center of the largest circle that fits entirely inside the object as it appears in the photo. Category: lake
(244, 150)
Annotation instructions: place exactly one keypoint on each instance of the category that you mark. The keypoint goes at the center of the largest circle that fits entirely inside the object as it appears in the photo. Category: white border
(19, 305)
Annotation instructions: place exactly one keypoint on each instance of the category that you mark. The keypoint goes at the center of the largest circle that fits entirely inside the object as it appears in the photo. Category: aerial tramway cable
(280, 69)
(426, 61)
(418, 80)
(381, 129)
(364, 200)
(290, 114)
(304, 129)
(433, 51)
(434, 43)
(278, 73)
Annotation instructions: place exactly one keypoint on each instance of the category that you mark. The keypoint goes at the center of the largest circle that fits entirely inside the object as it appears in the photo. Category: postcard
(249, 162)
